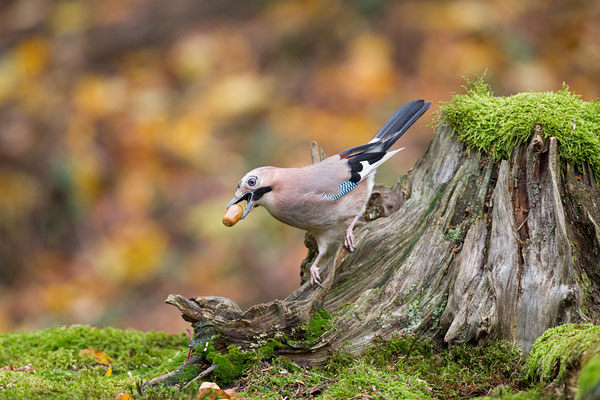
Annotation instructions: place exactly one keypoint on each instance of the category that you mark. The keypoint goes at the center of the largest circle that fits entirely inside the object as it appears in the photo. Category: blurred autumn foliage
(126, 124)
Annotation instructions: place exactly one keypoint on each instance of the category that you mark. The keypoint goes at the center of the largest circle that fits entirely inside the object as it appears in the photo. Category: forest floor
(106, 363)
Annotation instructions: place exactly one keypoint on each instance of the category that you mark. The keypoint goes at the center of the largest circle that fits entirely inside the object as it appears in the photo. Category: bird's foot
(315, 278)
(349, 239)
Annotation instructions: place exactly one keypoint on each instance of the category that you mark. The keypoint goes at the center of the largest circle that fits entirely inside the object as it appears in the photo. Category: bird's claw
(315, 278)
(349, 240)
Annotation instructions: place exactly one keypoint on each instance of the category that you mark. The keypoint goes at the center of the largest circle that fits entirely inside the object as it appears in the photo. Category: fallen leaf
(97, 355)
(123, 396)
(25, 368)
(212, 394)
(100, 357)
(209, 385)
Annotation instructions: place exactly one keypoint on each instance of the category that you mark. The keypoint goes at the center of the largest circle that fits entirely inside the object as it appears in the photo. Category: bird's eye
(252, 181)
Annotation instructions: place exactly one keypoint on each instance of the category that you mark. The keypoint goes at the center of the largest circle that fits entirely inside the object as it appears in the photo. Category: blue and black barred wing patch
(345, 188)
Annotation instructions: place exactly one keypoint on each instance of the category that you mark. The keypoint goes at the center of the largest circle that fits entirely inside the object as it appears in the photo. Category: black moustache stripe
(260, 192)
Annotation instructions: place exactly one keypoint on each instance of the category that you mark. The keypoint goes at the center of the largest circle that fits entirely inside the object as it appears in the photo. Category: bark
(463, 250)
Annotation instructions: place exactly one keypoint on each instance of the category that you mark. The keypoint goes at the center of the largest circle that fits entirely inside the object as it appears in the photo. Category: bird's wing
(334, 177)
(337, 175)
(326, 176)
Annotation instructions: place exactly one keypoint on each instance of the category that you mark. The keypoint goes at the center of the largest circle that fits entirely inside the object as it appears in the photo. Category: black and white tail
(366, 158)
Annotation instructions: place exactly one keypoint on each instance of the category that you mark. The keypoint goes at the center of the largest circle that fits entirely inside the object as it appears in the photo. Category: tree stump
(462, 249)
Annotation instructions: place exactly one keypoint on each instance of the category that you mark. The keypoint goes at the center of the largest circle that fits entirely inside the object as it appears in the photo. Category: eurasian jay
(326, 198)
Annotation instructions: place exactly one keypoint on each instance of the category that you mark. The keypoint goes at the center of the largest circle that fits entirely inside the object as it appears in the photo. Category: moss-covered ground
(63, 372)
(403, 367)
(496, 125)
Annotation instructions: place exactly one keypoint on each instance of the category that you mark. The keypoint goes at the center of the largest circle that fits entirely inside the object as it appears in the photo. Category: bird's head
(253, 188)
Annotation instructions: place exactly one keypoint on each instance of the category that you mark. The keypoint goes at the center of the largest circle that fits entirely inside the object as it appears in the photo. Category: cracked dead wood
(463, 250)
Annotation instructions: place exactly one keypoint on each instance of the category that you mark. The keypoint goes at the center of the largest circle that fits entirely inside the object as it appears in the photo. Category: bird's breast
(313, 212)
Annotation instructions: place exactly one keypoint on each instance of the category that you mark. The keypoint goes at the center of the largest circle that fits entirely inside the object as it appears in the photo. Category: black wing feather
(389, 133)
(402, 119)
(356, 166)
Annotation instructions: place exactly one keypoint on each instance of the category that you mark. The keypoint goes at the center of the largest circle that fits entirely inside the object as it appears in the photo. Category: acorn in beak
(249, 197)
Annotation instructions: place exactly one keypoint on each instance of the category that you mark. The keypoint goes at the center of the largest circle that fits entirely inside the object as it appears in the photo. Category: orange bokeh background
(125, 126)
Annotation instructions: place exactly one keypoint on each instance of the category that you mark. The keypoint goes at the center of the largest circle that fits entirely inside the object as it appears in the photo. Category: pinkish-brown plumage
(327, 198)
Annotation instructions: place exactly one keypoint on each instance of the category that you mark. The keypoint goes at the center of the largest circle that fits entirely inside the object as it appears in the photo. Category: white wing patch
(368, 168)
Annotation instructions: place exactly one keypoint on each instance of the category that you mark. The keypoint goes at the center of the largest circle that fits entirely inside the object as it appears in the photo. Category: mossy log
(462, 249)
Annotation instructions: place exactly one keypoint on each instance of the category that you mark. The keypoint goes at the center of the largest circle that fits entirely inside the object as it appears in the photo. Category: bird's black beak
(249, 197)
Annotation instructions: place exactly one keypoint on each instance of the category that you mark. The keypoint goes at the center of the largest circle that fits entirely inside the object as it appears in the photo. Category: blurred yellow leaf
(136, 189)
(8, 78)
(99, 96)
(193, 56)
(87, 178)
(19, 194)
(239, 94)
(470, 56)
(69, 16)
(456, 16)
(58, 297)
(186, 137)
(371, 69)
(285, 17)
(97, 355)
(123, 396)
(315, 124)
(100, 357)
(133, 252)
(31, 56)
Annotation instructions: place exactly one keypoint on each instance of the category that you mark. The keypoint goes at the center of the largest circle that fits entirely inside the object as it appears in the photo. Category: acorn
(233, 215)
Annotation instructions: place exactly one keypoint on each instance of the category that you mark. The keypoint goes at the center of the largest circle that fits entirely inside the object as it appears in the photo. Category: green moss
(404, 367)
(453, 234)
(60, 373)
(318, 324)
(235, 362)
(507, 393)
(496, 125)
(586, 288)
(384, 351)
(562, 350)
(227, 369)
(435, 199)
(589, 380)
(374, 383)
(281, 378)
(268, 350)
(186, 374)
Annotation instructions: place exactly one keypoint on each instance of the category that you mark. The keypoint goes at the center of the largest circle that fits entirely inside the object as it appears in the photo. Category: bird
(327, 198)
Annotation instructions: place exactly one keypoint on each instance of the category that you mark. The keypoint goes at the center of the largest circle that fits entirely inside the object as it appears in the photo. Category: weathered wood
(463, 249)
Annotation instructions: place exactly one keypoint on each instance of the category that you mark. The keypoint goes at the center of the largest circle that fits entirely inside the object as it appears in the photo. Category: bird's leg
(315, 278)
(349, 236)
(323, 240)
